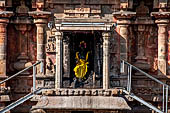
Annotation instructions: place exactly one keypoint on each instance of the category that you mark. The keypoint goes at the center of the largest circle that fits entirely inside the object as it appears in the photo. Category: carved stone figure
(142, 10)
(49, 66)
(22, 10)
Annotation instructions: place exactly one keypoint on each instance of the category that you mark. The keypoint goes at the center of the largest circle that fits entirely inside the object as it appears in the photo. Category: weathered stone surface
(84, 102)
(162, 37)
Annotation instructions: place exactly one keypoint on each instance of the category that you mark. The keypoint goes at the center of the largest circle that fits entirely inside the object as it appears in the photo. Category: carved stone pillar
(58, 78)
(66, 61)
(124, 41)
(41, 24)
(168, 52)
(162, 38)
(123, 21)
(106, 57)
(3, 44)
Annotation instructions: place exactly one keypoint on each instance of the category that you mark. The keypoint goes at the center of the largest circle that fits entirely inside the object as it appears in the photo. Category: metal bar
(34, 78)
(166, 100)
(42, 67)
(163, 99)
(123, 66)
(143, 102)
(149, 76)
(130, 77)
(19, 72)
(20, 101)
(128, 80)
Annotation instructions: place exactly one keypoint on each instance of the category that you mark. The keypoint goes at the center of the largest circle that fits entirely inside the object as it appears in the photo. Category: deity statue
(81, 67)
(82, 61)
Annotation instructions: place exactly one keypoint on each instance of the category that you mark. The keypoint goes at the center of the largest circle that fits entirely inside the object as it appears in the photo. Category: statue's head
(82, 45)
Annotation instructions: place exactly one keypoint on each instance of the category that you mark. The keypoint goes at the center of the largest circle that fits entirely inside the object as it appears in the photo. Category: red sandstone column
(106, 42)
(168, 52)
(3, 44)
(162, 37)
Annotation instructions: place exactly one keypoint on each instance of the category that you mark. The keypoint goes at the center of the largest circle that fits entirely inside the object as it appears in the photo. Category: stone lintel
(90, 2)
(40, 14)
(89, 28)
(82, 20)
(82, 102)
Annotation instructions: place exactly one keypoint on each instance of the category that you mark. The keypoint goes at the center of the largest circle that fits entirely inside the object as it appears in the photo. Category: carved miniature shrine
(92, 53)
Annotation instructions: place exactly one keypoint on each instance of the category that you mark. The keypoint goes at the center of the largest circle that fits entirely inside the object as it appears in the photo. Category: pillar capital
(4, 21)
(124, 23)
(162, 22)
(39, 21)
(124, 17)
(106, 34)
(59, 35)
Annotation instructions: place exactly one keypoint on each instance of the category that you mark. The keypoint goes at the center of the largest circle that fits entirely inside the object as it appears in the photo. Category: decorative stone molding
(82, 92)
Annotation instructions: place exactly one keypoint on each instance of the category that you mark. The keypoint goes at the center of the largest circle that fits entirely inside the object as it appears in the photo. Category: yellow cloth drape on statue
(81, 67)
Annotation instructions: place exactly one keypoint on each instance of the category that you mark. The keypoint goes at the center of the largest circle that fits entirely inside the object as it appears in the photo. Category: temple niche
(20, 37)
(75, 49)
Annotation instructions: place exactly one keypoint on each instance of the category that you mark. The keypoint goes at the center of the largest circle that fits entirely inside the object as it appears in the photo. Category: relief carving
(51, 44)
(22, 10)
(50, 68)
(151, 48)
(142, 10)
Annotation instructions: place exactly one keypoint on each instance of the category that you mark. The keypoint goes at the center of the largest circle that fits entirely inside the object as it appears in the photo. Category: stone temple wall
(134, 30)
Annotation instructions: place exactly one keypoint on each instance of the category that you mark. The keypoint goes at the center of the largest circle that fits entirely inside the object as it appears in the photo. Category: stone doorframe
(82, 26)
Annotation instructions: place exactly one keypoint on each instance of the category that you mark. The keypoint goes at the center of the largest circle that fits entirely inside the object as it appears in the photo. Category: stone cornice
(6, 14)
(159, 15)
(124, 14)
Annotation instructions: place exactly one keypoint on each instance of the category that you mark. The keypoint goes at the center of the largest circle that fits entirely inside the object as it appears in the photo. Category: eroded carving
(51, 44)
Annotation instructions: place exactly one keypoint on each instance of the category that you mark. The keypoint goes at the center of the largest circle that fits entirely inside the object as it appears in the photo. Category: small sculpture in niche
(22, 9)
(82, 61)
(142, 10)
(50, 69)
(81, 67)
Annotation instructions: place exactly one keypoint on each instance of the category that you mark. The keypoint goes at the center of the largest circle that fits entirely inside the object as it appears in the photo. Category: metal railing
(31, 94)
(165, 87)
(34, 73)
